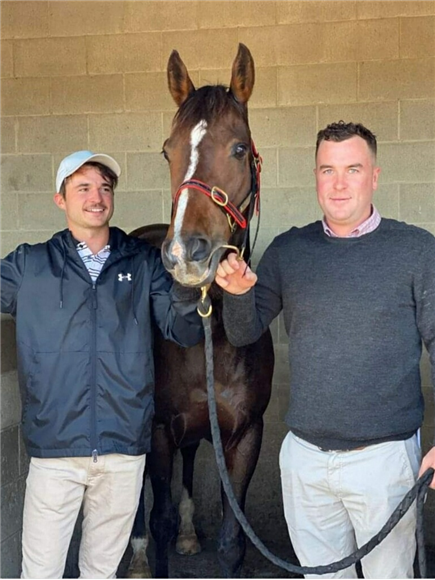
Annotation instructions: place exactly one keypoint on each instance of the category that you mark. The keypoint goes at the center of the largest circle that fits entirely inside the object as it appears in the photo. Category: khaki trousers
(56, 488)
(335, 501)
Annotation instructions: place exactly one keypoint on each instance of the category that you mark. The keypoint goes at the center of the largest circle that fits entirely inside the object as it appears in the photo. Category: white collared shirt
(369, 225)
(93, 262)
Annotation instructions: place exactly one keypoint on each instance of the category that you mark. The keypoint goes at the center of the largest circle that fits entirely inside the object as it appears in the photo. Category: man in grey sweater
(357, 293)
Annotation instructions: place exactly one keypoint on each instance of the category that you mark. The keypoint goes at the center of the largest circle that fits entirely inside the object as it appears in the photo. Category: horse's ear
(243, 75)
(179, 83)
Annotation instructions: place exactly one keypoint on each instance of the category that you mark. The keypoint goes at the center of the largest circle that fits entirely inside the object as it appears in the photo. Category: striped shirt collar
(369, 225)
(94, 262)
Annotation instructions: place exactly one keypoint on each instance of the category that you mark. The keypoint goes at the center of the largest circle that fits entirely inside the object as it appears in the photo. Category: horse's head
(212, 163)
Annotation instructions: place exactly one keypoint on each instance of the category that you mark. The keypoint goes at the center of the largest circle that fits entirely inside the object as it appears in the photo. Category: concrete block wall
(92, 75)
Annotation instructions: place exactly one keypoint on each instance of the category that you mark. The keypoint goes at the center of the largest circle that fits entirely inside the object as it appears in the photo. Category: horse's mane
(208, 103)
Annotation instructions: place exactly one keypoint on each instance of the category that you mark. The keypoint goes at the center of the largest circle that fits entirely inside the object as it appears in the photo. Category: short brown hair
(342, 131)
(104, 171)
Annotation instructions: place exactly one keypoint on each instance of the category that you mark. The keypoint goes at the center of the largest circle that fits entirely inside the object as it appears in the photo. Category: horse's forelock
(207, 103)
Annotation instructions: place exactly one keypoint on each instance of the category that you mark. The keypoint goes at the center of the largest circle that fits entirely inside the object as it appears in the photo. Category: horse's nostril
(177, 250)
(195, 249)
(198, 249)
(169, 259)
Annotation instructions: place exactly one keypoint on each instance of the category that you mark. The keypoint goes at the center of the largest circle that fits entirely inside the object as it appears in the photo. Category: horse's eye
(240, 151)
(165, 155)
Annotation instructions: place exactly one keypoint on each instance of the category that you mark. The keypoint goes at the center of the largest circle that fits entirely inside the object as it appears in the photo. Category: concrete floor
(205, 564)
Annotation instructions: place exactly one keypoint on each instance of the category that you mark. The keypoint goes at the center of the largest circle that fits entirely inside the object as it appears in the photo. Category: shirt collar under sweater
(369, 225)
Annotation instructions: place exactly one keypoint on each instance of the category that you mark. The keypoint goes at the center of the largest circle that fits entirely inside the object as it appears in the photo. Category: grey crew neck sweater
(356, 311)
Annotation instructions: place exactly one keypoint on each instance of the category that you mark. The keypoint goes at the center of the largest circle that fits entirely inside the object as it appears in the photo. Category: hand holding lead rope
(204, 306)
(234, 275)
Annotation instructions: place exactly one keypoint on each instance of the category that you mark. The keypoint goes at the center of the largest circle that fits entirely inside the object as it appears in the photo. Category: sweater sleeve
(425, 301)
(174, 308)
(12, 272)
(247, 316)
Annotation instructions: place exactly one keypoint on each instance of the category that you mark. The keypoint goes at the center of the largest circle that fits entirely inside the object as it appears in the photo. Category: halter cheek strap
(220, 197)
(217, 195)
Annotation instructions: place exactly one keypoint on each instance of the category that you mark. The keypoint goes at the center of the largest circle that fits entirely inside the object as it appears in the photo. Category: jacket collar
(120, 243)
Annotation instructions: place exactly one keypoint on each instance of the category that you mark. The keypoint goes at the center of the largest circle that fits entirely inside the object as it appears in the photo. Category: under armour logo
(122, 277)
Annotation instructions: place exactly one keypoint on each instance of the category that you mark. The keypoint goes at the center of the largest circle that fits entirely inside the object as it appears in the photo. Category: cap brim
(95, 157)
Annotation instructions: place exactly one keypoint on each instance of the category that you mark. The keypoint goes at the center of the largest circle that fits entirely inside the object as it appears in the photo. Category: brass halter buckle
(217, 193)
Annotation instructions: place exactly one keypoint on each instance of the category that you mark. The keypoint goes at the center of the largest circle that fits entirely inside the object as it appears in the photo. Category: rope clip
(204, 307)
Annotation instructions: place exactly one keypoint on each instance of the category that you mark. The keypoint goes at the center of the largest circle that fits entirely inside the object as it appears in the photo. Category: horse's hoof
(139, 568)
(146, 573)
(188, 545)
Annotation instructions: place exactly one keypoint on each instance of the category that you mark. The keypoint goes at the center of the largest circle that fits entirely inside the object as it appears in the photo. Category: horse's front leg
(139, 566)
(187, 540)
(163, 517)
(241, 462)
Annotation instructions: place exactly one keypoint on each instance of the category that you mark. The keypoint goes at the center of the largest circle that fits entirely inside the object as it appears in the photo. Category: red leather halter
(220, 198)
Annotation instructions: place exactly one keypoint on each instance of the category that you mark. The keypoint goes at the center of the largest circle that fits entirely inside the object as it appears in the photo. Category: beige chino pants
(56, 488)
(336, 501)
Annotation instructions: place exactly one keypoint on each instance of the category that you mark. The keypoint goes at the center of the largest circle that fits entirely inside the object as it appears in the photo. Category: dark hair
(104, 171)
(342, 131)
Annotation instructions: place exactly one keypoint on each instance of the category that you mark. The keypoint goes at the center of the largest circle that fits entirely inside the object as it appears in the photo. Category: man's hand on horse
(234, 275)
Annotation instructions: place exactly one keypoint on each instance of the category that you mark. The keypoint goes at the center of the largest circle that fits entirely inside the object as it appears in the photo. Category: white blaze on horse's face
(196, 136)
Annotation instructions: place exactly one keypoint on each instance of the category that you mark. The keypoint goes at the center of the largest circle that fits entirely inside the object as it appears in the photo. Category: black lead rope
(418, 491)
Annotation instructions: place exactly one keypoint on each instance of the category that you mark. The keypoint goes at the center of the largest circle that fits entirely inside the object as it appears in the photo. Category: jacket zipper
(94, 375)
(93, 386)
(94, 439)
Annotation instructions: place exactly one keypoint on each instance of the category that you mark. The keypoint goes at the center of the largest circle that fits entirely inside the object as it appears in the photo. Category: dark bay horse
(213, 167)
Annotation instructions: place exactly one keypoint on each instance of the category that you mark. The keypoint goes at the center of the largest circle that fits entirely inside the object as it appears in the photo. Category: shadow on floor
(205, 564)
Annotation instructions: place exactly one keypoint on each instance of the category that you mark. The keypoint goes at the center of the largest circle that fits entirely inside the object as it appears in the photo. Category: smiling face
(88, 202)
(346, 177)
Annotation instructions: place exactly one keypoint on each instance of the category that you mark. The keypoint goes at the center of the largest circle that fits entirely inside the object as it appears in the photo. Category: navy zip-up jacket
(85, 350)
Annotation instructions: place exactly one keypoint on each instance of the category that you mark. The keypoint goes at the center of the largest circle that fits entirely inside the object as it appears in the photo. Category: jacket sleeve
(174, 308)
(12, 272)
(247, 316)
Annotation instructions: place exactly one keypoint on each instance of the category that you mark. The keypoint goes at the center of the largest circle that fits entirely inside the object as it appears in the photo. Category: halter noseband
(220, 197)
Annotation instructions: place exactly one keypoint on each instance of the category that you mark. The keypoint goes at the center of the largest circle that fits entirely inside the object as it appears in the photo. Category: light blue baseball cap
(74, 161)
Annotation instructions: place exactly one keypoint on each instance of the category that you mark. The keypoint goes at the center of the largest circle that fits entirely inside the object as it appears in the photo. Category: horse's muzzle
(193, 263)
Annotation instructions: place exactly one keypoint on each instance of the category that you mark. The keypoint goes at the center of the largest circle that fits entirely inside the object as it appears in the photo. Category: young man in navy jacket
(84, 304)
